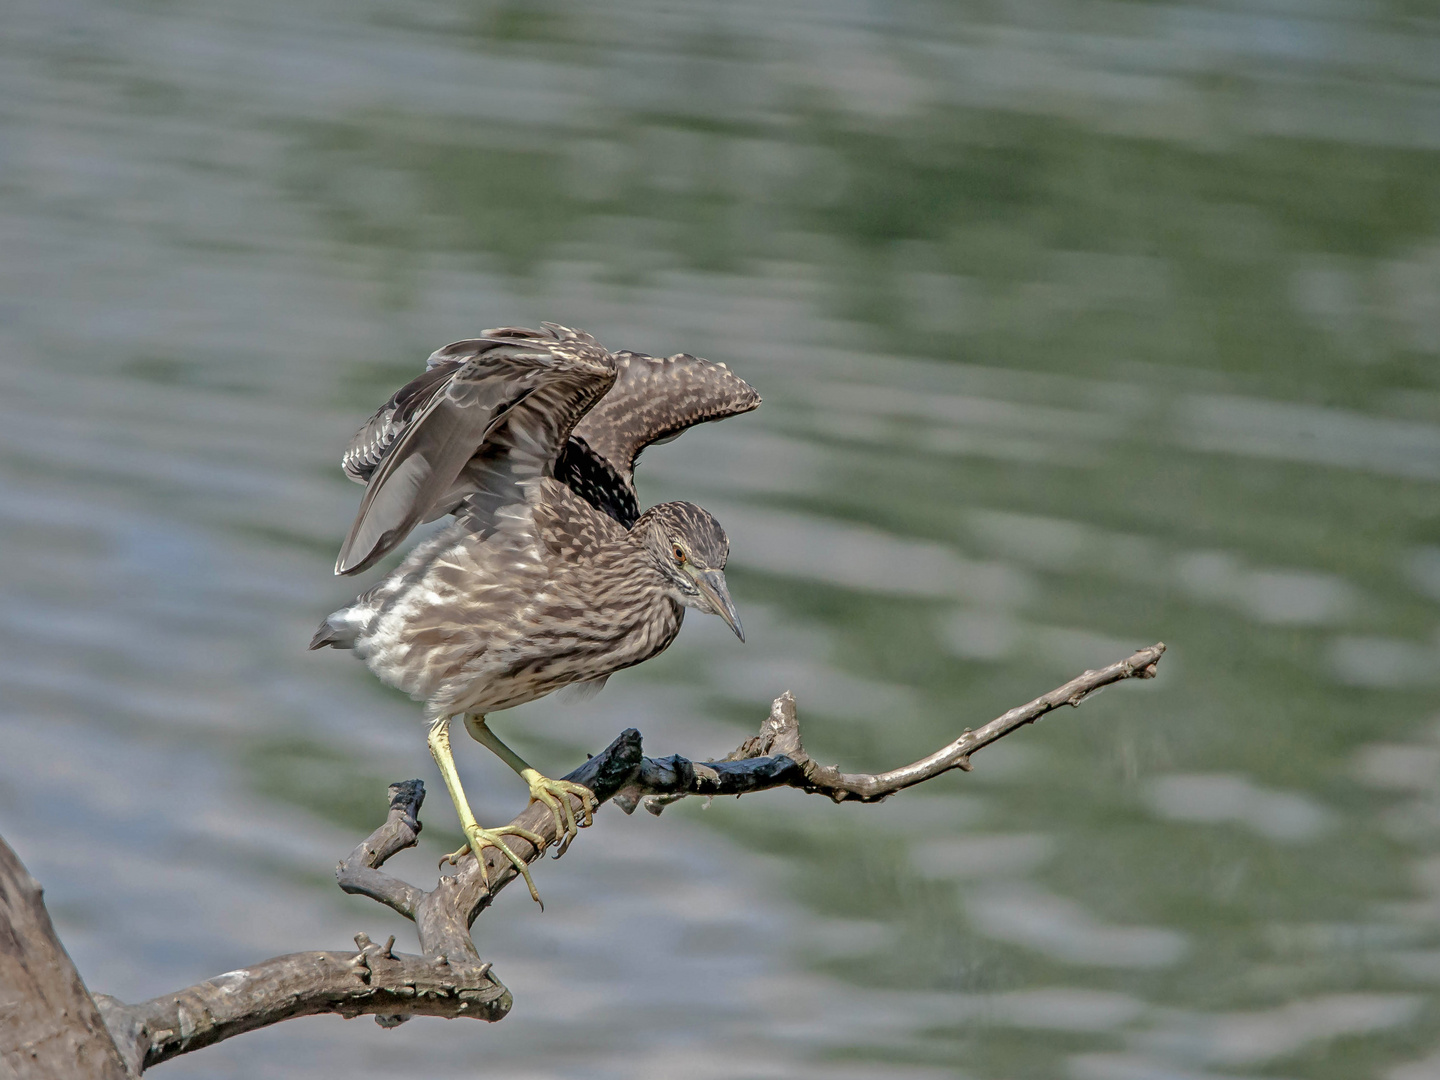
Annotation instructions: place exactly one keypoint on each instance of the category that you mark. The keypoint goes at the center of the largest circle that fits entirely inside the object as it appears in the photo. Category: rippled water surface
(1079, 325)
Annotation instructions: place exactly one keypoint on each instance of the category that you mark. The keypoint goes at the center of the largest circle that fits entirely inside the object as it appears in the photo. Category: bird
(549, 575)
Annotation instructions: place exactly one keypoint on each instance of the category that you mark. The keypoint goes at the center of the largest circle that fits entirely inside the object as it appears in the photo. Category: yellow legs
(554, 794)
(477, 839)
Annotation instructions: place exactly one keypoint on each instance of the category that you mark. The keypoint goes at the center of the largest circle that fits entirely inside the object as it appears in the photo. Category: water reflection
(1282, 816)
(1078, 328)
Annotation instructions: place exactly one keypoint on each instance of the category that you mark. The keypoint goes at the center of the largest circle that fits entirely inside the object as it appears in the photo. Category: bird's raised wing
(373, 441)
(654, 399)
(488, 415)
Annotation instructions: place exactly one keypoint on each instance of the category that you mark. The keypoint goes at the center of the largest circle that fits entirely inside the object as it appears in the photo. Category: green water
(1079, 327)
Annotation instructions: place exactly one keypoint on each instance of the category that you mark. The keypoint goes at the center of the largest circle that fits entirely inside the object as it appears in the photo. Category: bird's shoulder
(570, 531)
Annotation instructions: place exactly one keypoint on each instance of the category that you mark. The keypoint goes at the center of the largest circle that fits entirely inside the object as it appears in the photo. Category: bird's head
(689, 549)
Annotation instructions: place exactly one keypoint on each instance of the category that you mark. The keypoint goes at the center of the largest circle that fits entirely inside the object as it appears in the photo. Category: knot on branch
(370, 954)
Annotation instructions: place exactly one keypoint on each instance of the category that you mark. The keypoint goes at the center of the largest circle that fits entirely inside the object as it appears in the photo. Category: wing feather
(490, 414)
(373, 441)
(654, 399)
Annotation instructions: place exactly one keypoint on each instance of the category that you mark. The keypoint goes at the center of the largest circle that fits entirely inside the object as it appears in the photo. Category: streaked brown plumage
(474, 623)
(549, 575)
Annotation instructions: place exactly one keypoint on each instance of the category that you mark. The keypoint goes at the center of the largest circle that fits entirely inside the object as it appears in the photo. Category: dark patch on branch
(450, 979)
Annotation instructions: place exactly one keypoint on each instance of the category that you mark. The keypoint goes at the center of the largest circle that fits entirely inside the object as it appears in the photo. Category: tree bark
(50, 1029)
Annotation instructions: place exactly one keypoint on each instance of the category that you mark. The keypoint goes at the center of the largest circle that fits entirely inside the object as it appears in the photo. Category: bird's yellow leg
(477, 838)
(553, 794)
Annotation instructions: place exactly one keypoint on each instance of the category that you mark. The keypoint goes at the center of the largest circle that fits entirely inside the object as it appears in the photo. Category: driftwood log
(51, 1027)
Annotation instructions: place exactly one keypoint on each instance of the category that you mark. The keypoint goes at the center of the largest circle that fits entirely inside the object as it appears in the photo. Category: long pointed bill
(712, 586)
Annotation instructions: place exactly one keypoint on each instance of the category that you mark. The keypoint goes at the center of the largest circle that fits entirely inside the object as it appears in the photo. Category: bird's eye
(679, 555)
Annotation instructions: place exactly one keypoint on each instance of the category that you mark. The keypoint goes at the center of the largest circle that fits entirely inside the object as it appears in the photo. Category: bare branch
(450, 979)
(777, 758)
(375, 980)
(360, 872)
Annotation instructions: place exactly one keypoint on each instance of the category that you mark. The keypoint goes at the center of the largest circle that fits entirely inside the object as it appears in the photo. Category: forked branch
(450, 979)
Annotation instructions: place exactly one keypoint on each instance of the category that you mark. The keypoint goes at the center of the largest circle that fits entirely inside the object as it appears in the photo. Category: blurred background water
(1080, 326)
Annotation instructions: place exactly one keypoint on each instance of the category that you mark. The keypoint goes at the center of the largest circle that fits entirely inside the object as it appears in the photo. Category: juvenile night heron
(549, 575)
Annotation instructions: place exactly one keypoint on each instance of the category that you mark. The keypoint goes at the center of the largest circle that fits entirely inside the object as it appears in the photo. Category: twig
(450, 979)
(748, 769)
(360, 872)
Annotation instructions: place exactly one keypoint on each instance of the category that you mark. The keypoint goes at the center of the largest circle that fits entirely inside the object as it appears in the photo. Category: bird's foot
(479, 839)
(555, 795)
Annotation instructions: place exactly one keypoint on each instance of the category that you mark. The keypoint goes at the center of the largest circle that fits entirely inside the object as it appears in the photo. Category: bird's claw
(479, 839)
(555, 796)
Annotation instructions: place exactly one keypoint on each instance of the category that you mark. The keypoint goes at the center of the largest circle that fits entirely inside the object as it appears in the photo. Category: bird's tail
(340, 629)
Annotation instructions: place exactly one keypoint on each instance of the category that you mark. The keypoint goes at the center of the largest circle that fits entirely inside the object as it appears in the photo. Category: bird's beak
(712, 587)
